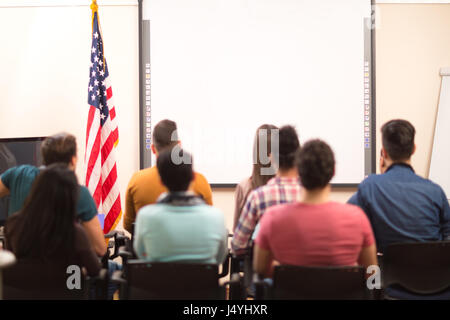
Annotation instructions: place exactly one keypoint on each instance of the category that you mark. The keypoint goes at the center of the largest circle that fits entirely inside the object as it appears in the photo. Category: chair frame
(417, 258)
(209, 272)
(287, 279)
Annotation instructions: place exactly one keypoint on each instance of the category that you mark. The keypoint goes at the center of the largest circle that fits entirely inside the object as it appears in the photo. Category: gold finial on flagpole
(94, 6)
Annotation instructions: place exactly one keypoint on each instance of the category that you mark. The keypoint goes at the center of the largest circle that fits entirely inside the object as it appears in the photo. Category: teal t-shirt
(167, 233)
(19, 181)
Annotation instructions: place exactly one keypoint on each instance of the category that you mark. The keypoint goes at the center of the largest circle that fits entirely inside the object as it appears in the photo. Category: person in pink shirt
(314, 231)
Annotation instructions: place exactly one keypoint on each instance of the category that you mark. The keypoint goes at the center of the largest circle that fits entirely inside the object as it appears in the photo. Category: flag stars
(93, 97)
(96, 59)
(93, 73)
(95, 82)
(102, 116)
(102, 73)
(96, 35)
(100, 62)
(93, 50)
(100, 106)
(90, 88)
(98, 92)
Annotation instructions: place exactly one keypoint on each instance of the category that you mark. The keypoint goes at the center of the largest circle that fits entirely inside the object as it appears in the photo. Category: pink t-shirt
(329, 234)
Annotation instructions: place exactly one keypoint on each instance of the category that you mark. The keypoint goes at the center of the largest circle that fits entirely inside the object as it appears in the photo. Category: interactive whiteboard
(222, 68)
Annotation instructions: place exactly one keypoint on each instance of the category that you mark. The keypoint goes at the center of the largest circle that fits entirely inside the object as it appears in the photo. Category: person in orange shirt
(145, 186)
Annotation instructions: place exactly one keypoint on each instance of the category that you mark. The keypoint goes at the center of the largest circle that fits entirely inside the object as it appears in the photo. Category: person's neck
(390, 162)
(179, 192)
(287, 173)
(316, 196)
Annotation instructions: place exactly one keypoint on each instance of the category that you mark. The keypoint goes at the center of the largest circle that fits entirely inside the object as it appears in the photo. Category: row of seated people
(308, 230)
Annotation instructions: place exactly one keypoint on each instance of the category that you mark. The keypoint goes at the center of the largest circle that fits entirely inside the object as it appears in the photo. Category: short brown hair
(60, 147)
(164, 136)
(315, 164)
(398, 139)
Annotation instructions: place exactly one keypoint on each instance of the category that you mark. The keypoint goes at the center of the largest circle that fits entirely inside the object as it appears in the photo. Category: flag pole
(94, 8)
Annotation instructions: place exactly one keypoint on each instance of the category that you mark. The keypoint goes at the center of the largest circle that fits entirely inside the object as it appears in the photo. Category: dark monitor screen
(15, 152)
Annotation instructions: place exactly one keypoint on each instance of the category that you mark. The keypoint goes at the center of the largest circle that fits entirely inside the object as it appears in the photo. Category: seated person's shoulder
(84, 192)
(211, 210)
(86, 207)
(200, 178)
(281, 208)
(153, 209)
(245, 183)
(435, 188)
(371, 181)
(348, 208)
(20, 171)
(144, 175)
(372, 178)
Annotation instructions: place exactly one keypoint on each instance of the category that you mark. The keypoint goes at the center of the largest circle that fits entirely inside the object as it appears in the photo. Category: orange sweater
(145, 187)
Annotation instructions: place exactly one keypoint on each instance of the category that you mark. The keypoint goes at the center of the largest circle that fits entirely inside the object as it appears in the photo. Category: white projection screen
(221, 68)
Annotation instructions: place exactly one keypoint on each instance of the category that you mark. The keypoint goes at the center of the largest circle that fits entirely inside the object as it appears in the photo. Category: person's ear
(414, 149)
(383, 164)
(74, 162)
(154, 149)
(384, 153)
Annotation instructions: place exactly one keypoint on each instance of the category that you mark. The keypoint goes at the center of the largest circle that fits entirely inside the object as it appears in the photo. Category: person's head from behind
(164, 136)
(398, 140)
(288, 146)
(46, 223)
(262, 149)
(61, 148)
(175, 169)
(315, 163)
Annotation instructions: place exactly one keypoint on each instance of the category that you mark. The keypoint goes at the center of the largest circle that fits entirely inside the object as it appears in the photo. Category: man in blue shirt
(17, 181)
(180, 226)
(402, 206)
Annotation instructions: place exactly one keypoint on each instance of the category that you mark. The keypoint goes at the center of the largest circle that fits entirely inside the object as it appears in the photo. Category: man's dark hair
(288, 147)
(60, 147)
(398, 139)
(315, 164)
(175, 174)
(164, 136)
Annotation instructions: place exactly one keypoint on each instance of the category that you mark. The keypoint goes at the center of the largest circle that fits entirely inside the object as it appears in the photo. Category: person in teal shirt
(180, 227)
(17, 181)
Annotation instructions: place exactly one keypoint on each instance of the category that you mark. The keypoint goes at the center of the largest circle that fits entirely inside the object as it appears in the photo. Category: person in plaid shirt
(283, 188)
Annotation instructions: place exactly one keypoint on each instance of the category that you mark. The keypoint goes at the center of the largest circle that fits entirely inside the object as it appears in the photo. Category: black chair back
(419, 267)
(172, 281)
(319, 283)
(38, 280)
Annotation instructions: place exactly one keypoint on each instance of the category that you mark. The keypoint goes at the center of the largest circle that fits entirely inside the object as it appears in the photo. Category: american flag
(102, 135)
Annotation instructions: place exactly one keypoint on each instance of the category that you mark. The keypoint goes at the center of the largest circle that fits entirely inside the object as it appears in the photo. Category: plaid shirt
(278, 190)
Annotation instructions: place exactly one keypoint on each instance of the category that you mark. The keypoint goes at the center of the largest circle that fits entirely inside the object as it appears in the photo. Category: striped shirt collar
(283, 181)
